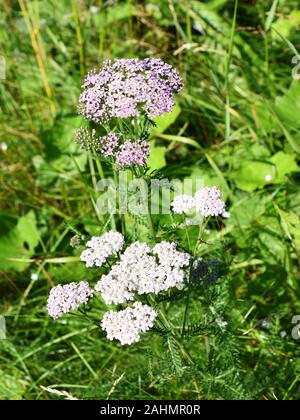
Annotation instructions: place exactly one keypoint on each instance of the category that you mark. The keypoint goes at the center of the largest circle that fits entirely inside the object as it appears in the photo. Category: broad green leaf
(257, 151)
(286, 24)
(164, 122)
(247, 210)
(157, 158)
(61, 136)
(285, 163)
(59, 143)
(254, 174)
(28, 231)
(287, 106)
(17, 240)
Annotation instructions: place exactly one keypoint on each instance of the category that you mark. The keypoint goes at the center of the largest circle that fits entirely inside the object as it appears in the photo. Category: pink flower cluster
(132, 153)
(126, 154)
(109, 144)
(125, 88)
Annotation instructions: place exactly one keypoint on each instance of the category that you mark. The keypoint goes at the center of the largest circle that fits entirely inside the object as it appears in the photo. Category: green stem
(187, 302)
(99, 166)
(228, 62)
(140, 174)
(168, 326)
(85, 315)
(151, 226)
(165, 320)
(201, 231)
(121, 218)
(188, 239)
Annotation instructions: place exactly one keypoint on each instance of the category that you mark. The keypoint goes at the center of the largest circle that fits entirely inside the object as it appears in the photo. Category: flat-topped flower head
(169, 256)
(100, 248)
(132, 153)
(144, 270)
(68, 297)
(125, 88)
(124, 152)
(183, 203)
(208, 202)
(127, 325)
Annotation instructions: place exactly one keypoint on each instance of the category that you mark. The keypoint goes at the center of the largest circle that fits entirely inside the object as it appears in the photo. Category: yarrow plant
(140, 270)
(126, 88)
(137, 275)
(144, 270)
(100, 248)
(69, 297)
(126, 325)
(122, 97)
(207, 202)
(123, 152)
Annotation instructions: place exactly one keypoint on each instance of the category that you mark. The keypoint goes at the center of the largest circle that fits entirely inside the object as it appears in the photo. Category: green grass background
(236, 126)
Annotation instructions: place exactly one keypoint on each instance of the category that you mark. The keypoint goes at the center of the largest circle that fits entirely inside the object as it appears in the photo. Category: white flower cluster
(99, 248)
(206, 201)
(68, 297)
(183, 203)
(126, 325)
(144, 270)
(140, 270)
